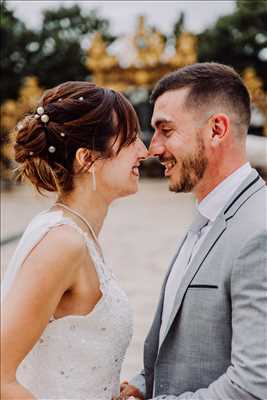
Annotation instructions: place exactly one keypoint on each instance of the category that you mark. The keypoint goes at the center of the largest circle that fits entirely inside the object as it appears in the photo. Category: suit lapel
(212, 237)
(245, 190)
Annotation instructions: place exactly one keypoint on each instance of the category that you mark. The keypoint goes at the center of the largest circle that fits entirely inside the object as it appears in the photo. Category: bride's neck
(90, 206)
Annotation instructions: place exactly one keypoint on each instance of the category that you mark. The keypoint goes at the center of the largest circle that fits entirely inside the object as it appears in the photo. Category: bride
(66, 321)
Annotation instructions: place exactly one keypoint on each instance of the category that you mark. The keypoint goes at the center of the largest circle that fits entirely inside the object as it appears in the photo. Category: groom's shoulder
(251, 217)
(254, 206)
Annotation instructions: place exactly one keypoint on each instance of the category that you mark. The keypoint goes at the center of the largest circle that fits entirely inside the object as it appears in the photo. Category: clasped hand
(128, 392)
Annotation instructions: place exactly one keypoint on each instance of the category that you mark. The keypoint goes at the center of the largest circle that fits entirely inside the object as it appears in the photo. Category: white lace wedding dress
(77, 357)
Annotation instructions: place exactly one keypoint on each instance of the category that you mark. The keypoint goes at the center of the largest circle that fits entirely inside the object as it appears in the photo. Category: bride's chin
(127, 192)
(133, 188)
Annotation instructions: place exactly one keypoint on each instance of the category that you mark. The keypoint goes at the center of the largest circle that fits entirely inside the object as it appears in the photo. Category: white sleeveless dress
(77, 357)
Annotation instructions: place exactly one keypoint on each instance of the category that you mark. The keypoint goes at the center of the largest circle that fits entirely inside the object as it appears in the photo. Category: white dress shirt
(216, 200)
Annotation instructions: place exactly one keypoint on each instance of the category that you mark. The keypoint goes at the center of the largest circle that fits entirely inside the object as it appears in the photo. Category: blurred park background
(126, 46)
(46, 43)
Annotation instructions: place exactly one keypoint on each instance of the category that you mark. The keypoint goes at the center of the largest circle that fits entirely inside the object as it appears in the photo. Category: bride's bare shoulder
(61, 250)
(65, 236)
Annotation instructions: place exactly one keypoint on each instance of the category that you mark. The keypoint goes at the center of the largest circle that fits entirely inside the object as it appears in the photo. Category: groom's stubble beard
(192, 169)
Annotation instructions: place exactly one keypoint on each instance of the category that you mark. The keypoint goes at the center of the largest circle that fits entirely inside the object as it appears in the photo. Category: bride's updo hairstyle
(68, 117)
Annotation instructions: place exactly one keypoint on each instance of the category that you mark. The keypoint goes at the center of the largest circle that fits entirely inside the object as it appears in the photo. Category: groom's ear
(220, 125)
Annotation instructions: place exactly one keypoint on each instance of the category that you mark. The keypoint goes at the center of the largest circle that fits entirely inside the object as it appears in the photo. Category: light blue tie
(192, 237)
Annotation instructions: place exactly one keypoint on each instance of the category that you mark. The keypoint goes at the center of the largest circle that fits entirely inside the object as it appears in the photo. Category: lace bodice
(78, 357)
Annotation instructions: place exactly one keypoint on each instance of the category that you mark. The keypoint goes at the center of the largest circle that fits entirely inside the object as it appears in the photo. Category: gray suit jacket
(215, 347)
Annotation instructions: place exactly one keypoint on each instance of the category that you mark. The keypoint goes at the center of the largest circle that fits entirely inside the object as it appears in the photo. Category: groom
(208, 339)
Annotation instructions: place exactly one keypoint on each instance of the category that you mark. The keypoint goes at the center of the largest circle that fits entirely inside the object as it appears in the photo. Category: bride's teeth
(135, 170)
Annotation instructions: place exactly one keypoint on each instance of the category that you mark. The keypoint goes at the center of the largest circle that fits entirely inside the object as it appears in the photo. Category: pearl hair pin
(62, 134)
(81, 98)
(51, 149)
(44, 118)
(40, 110)
(40, 113)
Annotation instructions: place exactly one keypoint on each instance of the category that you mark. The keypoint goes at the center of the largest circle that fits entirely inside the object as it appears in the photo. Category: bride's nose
(142, 150)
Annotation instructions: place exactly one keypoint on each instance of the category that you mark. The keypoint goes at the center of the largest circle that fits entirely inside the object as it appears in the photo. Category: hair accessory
(62, 134)
(44, 118)
(40, 113)
(31, 153)
(60, 99)
(81, 98)
(40, 110)
(51, 149)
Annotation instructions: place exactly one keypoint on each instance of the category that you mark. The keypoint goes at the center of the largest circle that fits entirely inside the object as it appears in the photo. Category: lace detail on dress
(79, 357)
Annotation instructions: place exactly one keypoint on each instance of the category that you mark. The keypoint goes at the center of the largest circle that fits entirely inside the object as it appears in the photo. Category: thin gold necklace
(86, 223)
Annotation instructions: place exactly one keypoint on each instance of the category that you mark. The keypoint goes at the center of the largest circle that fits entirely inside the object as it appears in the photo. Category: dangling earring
(93, 178)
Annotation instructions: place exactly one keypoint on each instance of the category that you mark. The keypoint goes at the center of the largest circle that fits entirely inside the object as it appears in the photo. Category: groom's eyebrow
(155, 123)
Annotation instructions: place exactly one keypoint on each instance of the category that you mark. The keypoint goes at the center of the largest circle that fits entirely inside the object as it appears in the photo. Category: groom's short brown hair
(209, 83)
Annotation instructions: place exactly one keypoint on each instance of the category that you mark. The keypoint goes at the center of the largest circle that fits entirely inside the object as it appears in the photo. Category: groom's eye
(166, 131)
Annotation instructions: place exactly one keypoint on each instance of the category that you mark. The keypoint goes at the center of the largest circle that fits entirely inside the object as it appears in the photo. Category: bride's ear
(83, 160)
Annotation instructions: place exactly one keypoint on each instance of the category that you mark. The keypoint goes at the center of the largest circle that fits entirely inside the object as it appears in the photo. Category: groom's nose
(156, 147)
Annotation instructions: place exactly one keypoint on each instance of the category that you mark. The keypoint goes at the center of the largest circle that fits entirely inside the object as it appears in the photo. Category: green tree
(15, 57)
(59, 54)
(238, 39)
(14, 60)
(179, 25)
(54, 53)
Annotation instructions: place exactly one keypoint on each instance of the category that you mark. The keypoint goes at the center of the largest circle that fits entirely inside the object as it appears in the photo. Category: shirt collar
(214, 202)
